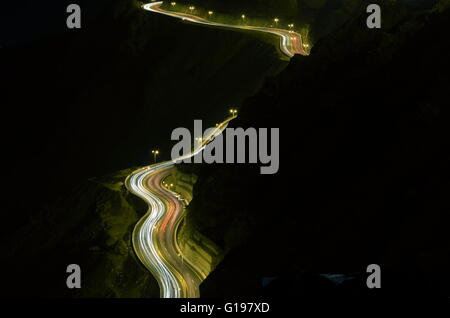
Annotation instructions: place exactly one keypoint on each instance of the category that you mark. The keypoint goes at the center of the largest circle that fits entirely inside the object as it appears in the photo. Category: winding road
(154, 236)
(290, 41)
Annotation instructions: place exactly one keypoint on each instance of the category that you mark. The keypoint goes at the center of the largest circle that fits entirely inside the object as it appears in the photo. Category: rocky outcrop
(199, 250)
(364, 120)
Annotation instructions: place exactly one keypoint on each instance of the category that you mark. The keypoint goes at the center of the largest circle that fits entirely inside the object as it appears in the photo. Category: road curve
(154, 236)
(290, 41)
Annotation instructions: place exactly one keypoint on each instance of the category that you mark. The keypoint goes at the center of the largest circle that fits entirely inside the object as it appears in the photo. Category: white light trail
(287, 37)
(144, 236)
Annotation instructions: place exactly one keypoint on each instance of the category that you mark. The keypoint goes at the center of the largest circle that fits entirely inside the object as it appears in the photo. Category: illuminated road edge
(144, 237)
(290, 42)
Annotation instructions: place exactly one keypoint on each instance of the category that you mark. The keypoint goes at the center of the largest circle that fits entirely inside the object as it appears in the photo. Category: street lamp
(155, 153)
(291, 25)
(173, 4)
(192, 8)
(210, 13)
(276, 20)
(233, 112)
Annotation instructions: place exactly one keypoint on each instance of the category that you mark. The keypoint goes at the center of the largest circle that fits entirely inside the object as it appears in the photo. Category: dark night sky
(31, 20)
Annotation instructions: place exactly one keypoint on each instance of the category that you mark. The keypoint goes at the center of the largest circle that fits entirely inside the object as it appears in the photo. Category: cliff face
(364, 123)
(197, 249)
(97, 99)
(83, 103)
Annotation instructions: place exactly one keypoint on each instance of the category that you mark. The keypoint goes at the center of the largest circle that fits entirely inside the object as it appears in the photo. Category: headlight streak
(145, 240)
(287, 37)
(144, 236)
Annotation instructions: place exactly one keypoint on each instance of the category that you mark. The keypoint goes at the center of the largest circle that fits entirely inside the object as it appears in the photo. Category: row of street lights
(243, 16)
(155, 152)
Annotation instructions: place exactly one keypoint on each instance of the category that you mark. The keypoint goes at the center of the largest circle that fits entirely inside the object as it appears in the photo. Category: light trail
(144, 235)
(154, 236)
(290, 42)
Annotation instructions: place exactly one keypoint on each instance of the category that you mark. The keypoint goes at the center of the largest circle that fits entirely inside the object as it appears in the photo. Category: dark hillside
(364, 127)
(82, 103)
